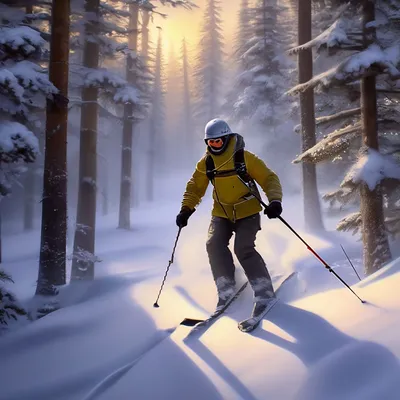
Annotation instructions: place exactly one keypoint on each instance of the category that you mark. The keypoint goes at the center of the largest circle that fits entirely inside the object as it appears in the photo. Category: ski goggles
(216, 143)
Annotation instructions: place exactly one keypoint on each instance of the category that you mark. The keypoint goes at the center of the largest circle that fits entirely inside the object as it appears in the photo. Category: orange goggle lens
(217, 143)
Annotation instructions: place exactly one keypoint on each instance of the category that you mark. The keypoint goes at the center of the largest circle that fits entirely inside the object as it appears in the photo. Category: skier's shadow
(219, 368)
(332, 356)
(314, 336)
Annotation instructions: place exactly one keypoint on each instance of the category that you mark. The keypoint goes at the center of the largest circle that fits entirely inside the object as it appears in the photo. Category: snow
(335, 35)
(8, 80)
(332, 145)
(127, 94)
(354, 66)
(101, 77)
(15, 136)
(21, 37)
(372, 168)
(31, 76)
(108, 342)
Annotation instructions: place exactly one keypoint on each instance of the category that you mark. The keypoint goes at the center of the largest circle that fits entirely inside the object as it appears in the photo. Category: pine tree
(24, 87)
(209, 71)
(243, 42)
(264, 80)
(245, 32)
(362, 42)
(104, 92)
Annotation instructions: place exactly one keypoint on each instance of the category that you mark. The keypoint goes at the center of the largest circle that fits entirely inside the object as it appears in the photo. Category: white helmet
(217, 128)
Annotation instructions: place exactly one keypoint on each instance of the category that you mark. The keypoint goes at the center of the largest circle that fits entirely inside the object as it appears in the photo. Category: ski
(249, 324)
(198, 323)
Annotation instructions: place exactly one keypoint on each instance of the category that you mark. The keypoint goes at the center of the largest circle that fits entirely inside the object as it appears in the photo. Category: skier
(232, 170)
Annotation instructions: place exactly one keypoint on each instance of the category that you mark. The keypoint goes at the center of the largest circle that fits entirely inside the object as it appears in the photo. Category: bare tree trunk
(142, 129)
(29, 198)
(106, 189)
(84, 241)
(154, 118)
(127, 135)
(375, 241)
(54, 202)
(145, 36)
(187, 107)
(1, 237)
(312, 208)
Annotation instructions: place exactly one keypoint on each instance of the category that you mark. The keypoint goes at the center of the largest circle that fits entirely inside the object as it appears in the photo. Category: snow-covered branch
(373, 60)
(17, 143)
(372, 168)
(331, 146)
(334, 36)
(340, 115)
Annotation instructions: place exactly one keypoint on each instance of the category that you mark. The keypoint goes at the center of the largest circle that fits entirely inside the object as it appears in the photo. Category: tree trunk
(375, 241)
(84, 241)
(154, 119)
(1, 237)
(145, 36)
(127, 135)
(54, 202)
(187, 108)
(311, 204)
(29, 198)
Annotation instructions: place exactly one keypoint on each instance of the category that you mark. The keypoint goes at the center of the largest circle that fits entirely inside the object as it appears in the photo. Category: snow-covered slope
(319, 343)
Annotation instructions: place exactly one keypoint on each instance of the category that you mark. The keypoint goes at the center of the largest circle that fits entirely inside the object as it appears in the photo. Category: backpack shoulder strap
(210, 167)
(240, 165)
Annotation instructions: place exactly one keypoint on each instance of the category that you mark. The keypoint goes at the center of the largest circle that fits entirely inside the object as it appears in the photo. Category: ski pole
(326, 265)
(344, 251)
(255, 193)
(166, 272)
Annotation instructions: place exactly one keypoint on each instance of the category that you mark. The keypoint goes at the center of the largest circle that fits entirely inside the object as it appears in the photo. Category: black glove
(273, 210)
(183, 216)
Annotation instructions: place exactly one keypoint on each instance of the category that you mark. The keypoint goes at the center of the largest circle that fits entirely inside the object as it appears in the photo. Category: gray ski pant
(220, 257)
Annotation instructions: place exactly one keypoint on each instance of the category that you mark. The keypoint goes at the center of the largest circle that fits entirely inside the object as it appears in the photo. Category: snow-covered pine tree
(373, 54)
(102, 33)
(257, 102)
(24, 87)
(265, 77)
(209, 65)
(10, 309)
(243, 41)
(245, 32)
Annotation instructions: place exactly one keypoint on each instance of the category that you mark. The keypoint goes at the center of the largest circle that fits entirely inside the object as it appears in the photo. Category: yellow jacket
(229, 191)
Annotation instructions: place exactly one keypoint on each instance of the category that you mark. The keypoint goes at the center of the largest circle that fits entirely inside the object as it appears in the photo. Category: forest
(103, 106)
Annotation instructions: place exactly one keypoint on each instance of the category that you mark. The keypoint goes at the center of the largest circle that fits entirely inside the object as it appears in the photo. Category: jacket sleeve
(196, 186)
(265, 177)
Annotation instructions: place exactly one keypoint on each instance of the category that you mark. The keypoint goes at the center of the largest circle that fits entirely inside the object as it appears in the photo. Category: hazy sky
(185, 23)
